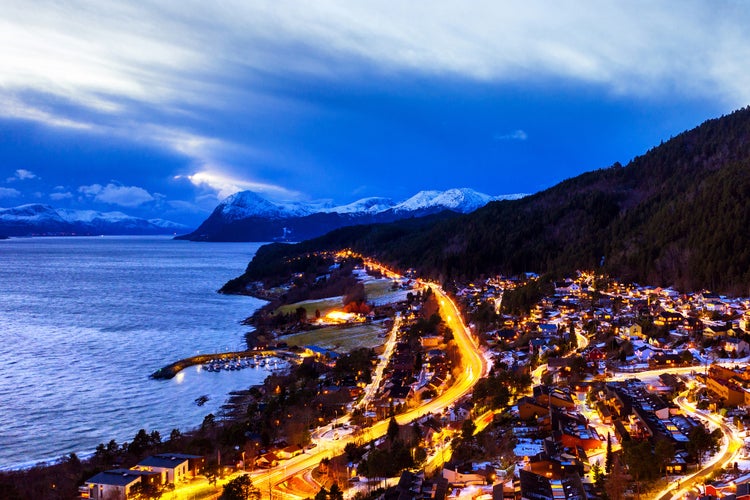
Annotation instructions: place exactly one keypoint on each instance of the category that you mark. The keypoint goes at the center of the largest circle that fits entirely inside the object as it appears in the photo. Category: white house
(174, 468)
(116, 484)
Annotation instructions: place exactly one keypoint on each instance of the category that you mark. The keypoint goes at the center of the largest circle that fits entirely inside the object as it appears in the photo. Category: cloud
(225, 185)
(9, 192)
(516, 135)
(60, 196)
(126, 196)
(93, 55)
(22, 175)
(12, 107)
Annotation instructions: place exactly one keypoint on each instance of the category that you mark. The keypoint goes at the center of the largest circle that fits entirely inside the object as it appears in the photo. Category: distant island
(45, 220)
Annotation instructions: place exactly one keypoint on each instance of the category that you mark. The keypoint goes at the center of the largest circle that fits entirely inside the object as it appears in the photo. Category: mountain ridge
(41, 219)
(247, 216)
(675, 216)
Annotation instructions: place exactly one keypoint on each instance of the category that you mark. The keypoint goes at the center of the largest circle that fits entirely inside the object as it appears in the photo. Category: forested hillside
(676, 215)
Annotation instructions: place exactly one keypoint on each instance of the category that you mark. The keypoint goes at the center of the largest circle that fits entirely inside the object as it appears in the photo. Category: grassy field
(339, 339)
(322, 305)
(378, 288)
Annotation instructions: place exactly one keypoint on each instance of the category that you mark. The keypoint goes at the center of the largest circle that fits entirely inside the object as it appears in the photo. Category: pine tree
(608, 458)
(392, 431)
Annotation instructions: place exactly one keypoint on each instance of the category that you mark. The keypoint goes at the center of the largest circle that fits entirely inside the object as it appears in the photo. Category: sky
(162, 109)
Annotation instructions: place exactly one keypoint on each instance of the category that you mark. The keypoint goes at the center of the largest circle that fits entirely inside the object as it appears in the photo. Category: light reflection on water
(84, 321)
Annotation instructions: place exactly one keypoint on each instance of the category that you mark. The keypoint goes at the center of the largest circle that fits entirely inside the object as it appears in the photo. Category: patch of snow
(528, 448)
(91, 215)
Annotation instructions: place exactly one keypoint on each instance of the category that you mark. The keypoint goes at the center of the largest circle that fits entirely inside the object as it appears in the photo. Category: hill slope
(677, 215)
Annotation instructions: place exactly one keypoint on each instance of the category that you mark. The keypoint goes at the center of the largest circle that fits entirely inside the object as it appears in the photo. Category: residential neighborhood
(587, 388)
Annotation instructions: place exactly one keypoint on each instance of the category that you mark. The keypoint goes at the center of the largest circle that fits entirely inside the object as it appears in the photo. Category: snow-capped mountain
(458, 200)
(247, 216)
(38, 219)
(249, 204)
(372, 205)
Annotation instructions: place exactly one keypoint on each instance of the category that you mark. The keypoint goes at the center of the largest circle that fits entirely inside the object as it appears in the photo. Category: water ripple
(86, 320)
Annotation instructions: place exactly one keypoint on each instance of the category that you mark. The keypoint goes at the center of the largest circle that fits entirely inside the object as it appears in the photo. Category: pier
(173, 369)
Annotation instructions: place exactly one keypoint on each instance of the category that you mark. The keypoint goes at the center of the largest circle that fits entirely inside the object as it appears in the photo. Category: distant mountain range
(676, 216)
(38, 219)
(247, 216)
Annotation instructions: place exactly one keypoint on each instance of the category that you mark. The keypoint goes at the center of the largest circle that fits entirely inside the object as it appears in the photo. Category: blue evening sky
(161, 109)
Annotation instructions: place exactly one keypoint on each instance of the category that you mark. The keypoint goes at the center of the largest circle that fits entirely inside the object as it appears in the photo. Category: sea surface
(85, 321)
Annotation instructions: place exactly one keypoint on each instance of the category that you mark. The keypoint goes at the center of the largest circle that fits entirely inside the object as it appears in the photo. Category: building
(729, 392)
(536, 487)
(529, 408)
(175, 468)
(117, 484)
(414, 486)
(553, 396)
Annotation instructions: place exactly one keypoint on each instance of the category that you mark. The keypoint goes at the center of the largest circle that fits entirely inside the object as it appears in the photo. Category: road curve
(474, 366)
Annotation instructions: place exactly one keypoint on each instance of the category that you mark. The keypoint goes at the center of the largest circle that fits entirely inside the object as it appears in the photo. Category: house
(665, 360)
(736, 346)
(712, 331)
(289, 452)
(414, 486)
(117, 484)
(668, 319)
(529, 408)
(634, 330)
(175, 468)
(430, 341)
(536, 487)
(553, 396)
(596, 353)
(267, 460)
(464, 477)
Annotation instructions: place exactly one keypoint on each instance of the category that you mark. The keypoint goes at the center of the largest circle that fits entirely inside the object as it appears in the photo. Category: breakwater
(173, 369)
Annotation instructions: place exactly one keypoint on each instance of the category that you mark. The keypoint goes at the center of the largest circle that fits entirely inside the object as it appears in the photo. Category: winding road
(473, 367)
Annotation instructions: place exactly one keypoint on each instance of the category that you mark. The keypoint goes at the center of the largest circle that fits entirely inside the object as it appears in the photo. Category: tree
(209, 422)
(393, 429)
(141, 442)
(664, 452)
(608, 457)
(616, 481)
(598, 475)
(240, 488)
(639, 459)
(467, 429)
(144, 491)
(699, 442)
(211, 471)
(322, 494)
(335, 492)
(154, 438)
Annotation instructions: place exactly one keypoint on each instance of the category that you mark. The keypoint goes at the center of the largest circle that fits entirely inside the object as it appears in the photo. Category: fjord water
(84, 321)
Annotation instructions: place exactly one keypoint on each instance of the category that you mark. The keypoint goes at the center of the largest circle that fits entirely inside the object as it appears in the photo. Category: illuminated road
(474, 366)
(377, 377)
(731, 447)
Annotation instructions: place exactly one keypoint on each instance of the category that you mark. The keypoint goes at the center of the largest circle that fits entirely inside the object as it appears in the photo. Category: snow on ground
(396, 296)
(528, 447)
